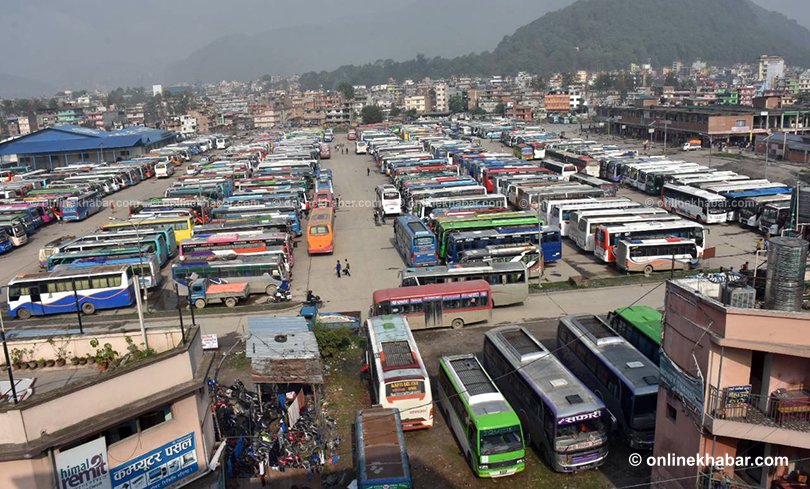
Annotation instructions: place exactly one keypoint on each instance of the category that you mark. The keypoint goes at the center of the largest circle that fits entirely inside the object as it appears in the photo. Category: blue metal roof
(68, 139)
(758, 192)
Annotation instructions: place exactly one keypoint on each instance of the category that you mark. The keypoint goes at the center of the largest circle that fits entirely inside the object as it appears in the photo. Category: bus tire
(88, 308)
(23, 313)
(457, 323)
(270, 289)
(230, 302)
(199, 303)
(648, 270)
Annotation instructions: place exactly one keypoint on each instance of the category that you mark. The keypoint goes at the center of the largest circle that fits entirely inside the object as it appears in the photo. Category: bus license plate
(502, 473)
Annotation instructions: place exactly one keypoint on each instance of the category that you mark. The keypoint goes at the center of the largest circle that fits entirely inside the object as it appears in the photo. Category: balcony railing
(778, 411)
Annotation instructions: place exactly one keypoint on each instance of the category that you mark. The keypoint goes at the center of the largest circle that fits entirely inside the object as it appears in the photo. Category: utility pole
(8, 359)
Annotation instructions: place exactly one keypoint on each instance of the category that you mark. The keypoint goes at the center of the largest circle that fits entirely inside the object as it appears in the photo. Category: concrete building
(442, 103)
(70, 116)
(770, 68)
(145, 420)
(558, 102)
(188, 125)
(61, 145)
(157, 90)
(804, 82)
(734, 381)
(417, 103)
(19, 125)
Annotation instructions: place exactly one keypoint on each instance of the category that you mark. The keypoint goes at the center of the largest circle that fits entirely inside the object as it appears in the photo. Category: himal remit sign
(84, 467)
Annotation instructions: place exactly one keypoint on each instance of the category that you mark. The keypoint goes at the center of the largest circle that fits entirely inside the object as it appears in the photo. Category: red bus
(489, 173)
(453, 304)
(326, 152)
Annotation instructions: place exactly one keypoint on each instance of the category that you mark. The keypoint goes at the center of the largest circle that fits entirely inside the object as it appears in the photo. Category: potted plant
(105, 356)
(50, 363)
(17, 358)
(61, 352)
(82, 360)
(74, 360)
(41, 362)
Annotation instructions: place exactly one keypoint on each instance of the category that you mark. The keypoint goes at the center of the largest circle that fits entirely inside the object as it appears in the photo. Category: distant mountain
(12, 86)
(411, 27)
(610, 34)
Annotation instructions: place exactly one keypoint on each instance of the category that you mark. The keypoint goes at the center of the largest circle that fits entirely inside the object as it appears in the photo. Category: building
(558, 102)
(270, 117)
(157, 90)
(147, 419)
(417, 103)
(442, 103)
(784, 146)
(804, 82)
(770, 69)
(70, 116)
(19, 125)
(61, 145)
(188, 125)
(734, 381)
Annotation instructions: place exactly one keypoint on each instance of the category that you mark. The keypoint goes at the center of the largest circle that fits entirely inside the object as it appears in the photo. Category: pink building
(734, 380)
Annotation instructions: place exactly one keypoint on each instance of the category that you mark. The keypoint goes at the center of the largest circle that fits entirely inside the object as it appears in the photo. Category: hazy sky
(104, 41)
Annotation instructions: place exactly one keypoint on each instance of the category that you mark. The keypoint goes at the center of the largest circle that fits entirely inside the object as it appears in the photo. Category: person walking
(368, 172)
(346, 268)
(337, 268)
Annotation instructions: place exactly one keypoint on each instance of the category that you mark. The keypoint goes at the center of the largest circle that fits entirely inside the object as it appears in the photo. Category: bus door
(36, 301)
(433, 313)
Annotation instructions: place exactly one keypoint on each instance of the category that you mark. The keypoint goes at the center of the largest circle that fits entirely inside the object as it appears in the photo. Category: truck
(204, 292)
(692, 145)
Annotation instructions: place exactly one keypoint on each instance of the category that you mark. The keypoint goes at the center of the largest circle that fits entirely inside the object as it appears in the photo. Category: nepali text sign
(160, 467)
(84, 467)
(738, 395)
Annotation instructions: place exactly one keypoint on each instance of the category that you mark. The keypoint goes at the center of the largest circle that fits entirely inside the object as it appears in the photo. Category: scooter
(282, 294)
(313, 300)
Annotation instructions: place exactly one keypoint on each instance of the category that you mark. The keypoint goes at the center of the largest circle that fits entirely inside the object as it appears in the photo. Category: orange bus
(320, 231)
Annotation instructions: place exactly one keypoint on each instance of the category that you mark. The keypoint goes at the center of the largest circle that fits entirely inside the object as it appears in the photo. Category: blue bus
(81, 207)
(415, 242)
(63, 291)
(478, 240)
(64, 257)
(5, 242)
(382, 458)
(145, 266)
(156, 243)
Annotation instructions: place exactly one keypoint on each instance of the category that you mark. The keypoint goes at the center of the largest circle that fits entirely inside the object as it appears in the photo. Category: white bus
(164, 170)
(694, 203)
(423, 209)
(389, 200)
(563, 169)
(582, 234)
(651, 255)
(559, 213)
(397, 375)
(607, 236)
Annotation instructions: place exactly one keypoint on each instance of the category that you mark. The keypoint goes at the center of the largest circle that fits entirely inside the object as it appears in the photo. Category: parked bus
(444, 228)
(167, 233)
(424, 208)
(63, 291)
(509, 281)
(750, 209)
(610, 188)
(15, 229)
(81, 207)
(388, 199)
(701, 205)
(528, 254)
(397, 375)
(320, 231)
(582, 233)
(5, 242)
(461, 242)
(382, 459)
(657, 254)
(485, 425)
(437, 306)
(264, 274)
(558, 212)
(642, 326)
(415, 242)
(568, 424)
(563, 169)
(155, 243)
(64, 257)
(233, 243)
(146, 266)
(775, 217)
(625, 380)
(607, 236)
(182, 225)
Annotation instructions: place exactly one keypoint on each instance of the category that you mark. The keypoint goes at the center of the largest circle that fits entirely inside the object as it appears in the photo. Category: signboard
(210, 342)
(579, 418)
(738, 395)
(709, 253)
(651, 131)
(404, 388)
(159, 468)
(689, 388)
(741, 129)
(84, 467)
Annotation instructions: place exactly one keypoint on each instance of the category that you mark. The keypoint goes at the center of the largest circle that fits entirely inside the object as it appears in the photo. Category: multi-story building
(770, 69)
(188, 125)
(417, 103)
(442, 102)
(804, 82)
(558, 102)
(70, 116)
(19, 125)
(135, 115)
(147, 420)
(747, 94)
(46, 118)
(734, 381)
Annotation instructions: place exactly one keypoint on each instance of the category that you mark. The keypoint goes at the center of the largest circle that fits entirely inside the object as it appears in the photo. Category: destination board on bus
(404, 388)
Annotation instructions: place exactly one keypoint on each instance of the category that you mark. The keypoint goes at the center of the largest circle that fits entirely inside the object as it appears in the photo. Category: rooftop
(70, 138)
(283, 350)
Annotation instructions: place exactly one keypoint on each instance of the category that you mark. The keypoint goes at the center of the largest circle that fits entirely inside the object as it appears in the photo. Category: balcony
(781, 418)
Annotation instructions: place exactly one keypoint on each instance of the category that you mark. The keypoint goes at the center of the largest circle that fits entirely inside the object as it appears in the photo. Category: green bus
(487, 428)
(445, 227)
(641, 326)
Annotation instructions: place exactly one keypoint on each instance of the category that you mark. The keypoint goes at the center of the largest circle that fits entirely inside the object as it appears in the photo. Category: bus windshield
(319, 230)
(644, 412)
(426, 241)
(501, 440)
(581, 431)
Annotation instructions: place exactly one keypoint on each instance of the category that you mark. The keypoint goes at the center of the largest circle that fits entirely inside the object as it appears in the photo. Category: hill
(610, 34)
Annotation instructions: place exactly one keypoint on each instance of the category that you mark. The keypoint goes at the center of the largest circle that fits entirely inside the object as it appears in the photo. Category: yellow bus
(182, 225)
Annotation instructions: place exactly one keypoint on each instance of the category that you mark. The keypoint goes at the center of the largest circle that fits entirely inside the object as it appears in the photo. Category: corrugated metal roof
(66, 139)
(283, 350)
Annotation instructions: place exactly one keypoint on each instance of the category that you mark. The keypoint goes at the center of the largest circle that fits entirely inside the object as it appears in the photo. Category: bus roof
(381, 446)
(83, 272)
(563, 391)
(646, 319)
(419, 291)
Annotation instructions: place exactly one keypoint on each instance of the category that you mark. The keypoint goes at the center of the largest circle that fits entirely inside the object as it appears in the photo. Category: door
(37, 309)
(433, 313)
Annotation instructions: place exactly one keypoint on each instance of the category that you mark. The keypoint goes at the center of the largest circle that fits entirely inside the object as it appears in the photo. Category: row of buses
(516, 393)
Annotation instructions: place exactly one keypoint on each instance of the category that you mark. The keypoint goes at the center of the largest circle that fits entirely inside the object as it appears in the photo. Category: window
(154, 418)
(672, 413)
(124, 153)
(739, 123)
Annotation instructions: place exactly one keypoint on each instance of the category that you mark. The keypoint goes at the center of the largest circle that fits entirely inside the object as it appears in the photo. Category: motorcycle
(282, 294)
(313, 300)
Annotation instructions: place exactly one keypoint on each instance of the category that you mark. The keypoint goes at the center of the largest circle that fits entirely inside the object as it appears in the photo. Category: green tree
(672, 80)
(567, 79)
(803, 98)
(478, 111)
(456, 104)
(410, 112)
(604, 82)
(539, 83)
(500, 109)
(395, 111)
(346, 89)
(371, 114)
